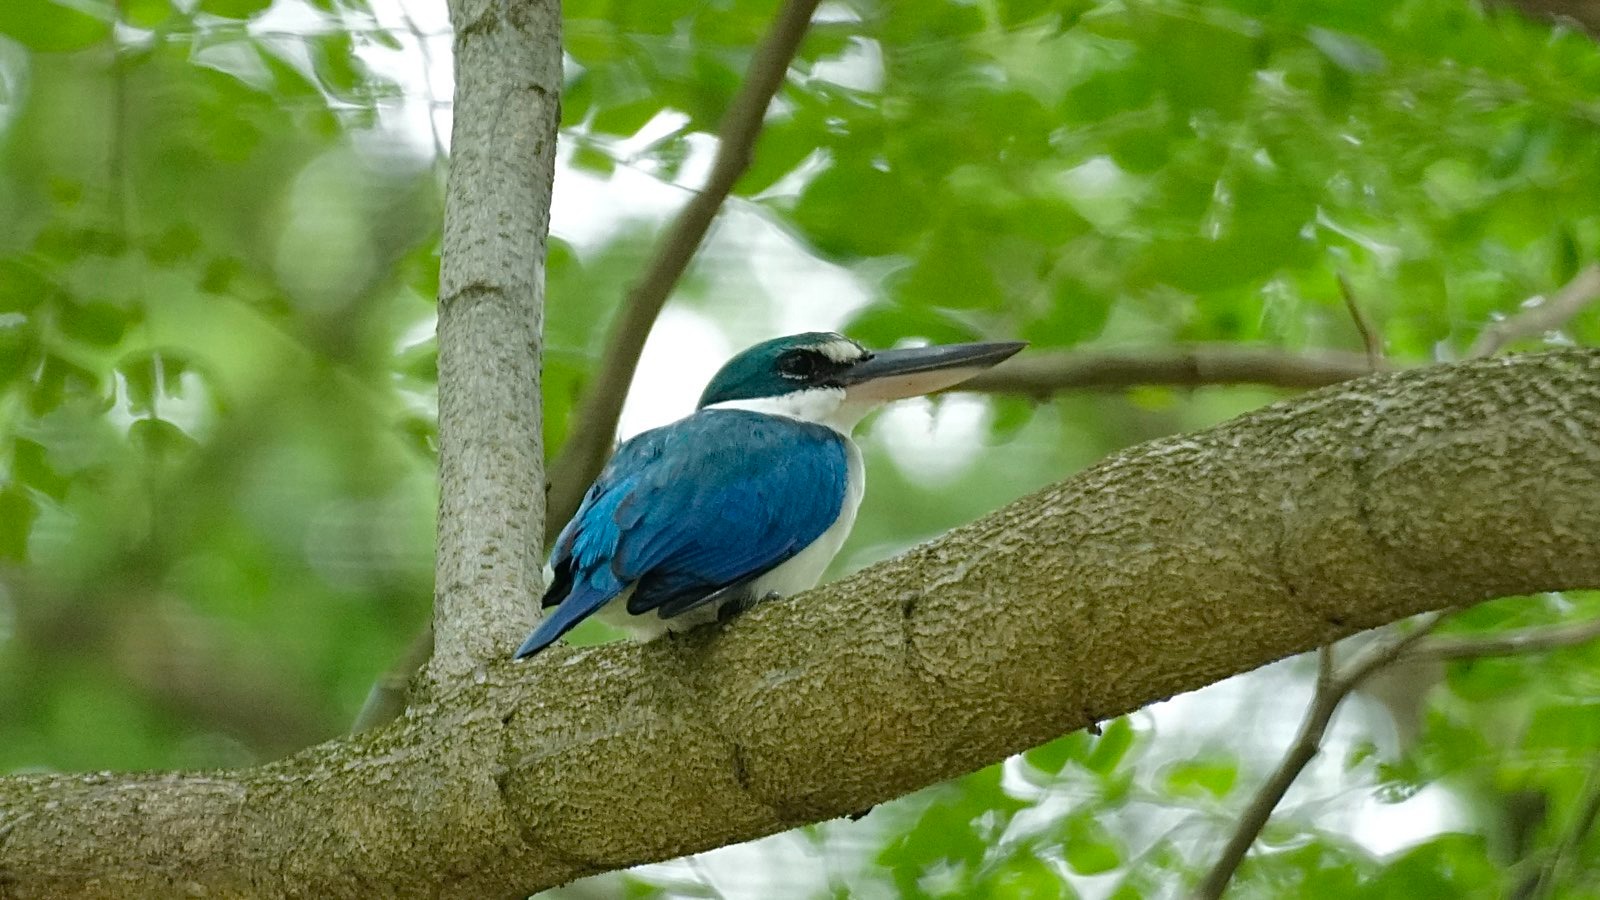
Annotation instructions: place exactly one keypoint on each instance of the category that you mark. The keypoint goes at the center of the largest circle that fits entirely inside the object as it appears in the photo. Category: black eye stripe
(805, 364)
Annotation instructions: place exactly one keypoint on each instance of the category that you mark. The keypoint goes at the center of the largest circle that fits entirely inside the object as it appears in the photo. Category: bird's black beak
(895, 374)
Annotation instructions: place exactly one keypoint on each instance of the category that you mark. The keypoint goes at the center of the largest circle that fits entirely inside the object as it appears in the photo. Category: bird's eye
(798, 365)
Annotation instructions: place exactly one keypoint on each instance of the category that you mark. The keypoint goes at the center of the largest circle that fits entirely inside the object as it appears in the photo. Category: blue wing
(684, 511)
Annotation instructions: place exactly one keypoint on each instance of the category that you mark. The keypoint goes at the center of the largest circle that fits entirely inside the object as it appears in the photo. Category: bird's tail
(577, 606)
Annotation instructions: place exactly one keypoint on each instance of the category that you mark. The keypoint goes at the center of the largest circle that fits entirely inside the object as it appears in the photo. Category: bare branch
(1370, 339)
(1530, 640)
(1547, 315)
(1044, 374)
(1585, 14)
(595, 423)
(1332, 687)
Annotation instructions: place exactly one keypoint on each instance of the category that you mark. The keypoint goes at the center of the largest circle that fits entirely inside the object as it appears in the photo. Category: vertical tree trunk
(497, 215)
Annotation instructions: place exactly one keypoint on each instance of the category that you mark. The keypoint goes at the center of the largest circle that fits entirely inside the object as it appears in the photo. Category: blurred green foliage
(217, 267)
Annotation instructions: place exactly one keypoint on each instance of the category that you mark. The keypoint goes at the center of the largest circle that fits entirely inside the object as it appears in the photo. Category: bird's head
(830, 379)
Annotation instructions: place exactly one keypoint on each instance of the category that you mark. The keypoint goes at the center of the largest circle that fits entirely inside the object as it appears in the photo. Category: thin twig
(1044, 374)
(594, 431)
(1332, 688)
(1370, 339)
(1530, 640)
(392, 690)
(1536, 319)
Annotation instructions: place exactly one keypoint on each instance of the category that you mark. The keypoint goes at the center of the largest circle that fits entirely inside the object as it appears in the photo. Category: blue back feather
(685, 510)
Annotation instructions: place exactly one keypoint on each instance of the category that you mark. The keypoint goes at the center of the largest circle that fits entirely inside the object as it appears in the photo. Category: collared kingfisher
(749, 496)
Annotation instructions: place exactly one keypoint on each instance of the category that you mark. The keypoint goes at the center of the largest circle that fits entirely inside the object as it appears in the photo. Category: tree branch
(1583, 13)
(1529, 640)
(1036, 375)
(595, 423)
(1371, 339)
(1332, 688)
(1542, 317)
(1167, 567)
(1044, 374)
(491, 299)
(1331, 691)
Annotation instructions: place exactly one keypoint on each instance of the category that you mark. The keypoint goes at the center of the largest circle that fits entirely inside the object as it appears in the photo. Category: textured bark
(1165, 568)
(491, 510)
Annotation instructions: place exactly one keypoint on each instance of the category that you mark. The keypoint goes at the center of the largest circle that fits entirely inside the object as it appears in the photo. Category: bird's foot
(740, 604)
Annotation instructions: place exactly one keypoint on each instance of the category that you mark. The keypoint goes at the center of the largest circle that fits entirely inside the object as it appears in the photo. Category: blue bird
(749, 496)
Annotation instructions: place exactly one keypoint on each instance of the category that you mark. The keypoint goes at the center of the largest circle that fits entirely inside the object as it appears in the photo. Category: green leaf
(1447, 867)
(58, 380)
(177, 244)
(17, 512)
(98, 324)
(1011, 414)
(1052, 757)
(592, 158)
(887, 324)
(1214, 775)
(421, 434)
(146, 13)
(1076, 314)
(20, 349)
(1089, 848)
(63, 242)
(1562, 727)
(24, 285)
(626, 118)
(785, 144)
(234, 9)
(958, 828)
(30, 465)
(1113, 744)
(1016, 12)
(339, 71)
(856, 209)
(1202, 64)
(49, 27)
(220, 274)
(950, 272)
(1024, 876)
(159, 439)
